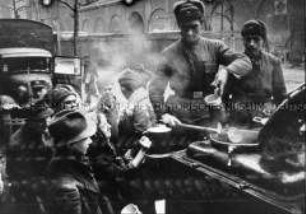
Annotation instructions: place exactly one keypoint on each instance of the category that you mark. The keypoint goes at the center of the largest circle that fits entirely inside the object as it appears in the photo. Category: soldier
(264, 87)
(40, 89)
(190, 69)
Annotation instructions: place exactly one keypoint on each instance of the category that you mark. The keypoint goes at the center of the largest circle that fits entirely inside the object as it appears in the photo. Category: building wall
(286, 27)
(7, 9)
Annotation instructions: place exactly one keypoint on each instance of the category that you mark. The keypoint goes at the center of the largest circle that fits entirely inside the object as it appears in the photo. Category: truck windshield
(26, 64)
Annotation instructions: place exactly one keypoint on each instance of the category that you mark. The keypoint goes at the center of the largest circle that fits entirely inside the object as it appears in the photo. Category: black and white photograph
(152, 107)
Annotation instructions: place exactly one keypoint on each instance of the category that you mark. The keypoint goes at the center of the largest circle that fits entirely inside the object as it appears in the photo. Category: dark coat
(252, 95)
(74, 190)
(264, 81)
(29, 153)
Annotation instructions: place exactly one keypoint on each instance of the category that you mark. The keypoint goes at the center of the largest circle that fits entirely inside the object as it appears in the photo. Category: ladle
(202, 128)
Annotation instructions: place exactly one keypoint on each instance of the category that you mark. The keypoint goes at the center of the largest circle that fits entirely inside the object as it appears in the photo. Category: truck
(28, 55)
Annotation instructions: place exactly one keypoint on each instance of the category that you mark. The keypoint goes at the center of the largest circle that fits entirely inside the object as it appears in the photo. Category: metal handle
(200, 128)
(260, 120)
(230, 150)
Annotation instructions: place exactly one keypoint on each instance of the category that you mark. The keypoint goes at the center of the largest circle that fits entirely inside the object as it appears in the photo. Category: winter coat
(138, 115)
(257, 93)
(266, 80)
(73, 188)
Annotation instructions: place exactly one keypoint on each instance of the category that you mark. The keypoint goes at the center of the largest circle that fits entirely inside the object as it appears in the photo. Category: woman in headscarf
(62, 98)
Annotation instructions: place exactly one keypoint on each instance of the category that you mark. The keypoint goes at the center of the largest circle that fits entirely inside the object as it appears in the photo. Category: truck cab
(29, 67)
(21, 69)
(29, 63)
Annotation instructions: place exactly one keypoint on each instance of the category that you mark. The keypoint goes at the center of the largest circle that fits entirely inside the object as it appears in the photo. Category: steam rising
(112, 54)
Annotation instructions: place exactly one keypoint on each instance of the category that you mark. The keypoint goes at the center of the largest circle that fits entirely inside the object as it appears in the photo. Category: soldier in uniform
(189, 71)
(263, 88)
(40, 89)
(190, 68)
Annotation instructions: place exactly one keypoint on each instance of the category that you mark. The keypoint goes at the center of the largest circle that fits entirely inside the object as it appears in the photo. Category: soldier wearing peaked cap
(189, 71)
(190, 68)
(40, 88)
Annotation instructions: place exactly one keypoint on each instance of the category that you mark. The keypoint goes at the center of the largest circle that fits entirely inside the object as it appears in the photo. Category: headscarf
(131, 79)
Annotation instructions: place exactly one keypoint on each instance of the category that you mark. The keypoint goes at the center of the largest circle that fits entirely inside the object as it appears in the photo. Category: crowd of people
(68, 158)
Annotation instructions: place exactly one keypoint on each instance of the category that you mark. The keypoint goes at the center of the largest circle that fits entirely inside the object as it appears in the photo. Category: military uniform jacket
(190, 72)
(266, 80)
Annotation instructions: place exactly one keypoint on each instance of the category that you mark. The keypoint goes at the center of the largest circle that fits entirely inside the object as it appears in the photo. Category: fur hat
(40, 84)
(70, 126)
(188, 10)
(254, 28)
(56, 96)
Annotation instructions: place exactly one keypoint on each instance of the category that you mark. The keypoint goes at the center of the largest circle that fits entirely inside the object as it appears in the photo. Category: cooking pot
(160, 136)
(234, 139)
(164, 140)
(158, 129)
(213, 100)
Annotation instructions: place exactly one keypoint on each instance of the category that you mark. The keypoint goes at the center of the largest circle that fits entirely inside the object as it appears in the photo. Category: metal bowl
(240, 139)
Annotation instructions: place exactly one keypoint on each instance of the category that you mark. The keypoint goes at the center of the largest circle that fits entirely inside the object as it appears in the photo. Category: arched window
(115, 25)
(62, 26)
(158, 21)
(136, 23)
(99, 25)
(85, 25)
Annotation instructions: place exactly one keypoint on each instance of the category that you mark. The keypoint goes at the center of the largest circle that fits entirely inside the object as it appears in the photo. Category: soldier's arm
(157, 88)
(237, 64)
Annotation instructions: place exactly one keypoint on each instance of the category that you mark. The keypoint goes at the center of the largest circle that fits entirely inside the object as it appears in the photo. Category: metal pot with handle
(234, 140)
